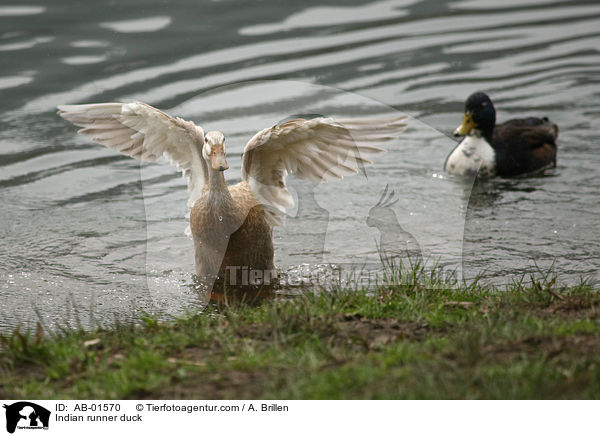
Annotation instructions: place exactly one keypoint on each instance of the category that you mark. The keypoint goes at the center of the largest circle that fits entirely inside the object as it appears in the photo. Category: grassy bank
(413, 338)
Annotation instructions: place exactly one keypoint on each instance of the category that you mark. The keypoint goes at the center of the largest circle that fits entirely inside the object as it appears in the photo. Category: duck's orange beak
(466, 126)
(218, 161)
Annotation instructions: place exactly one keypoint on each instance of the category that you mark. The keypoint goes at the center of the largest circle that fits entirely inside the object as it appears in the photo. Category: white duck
(232, 226)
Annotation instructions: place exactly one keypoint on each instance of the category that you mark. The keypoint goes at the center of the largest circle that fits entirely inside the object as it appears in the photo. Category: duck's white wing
(319, 149)
(146, 133)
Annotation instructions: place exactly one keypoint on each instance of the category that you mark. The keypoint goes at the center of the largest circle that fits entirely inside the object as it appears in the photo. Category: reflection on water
(85, 228)
(13, 11)
(151, 24)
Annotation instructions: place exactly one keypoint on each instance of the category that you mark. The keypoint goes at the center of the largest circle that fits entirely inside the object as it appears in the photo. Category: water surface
(86, 231)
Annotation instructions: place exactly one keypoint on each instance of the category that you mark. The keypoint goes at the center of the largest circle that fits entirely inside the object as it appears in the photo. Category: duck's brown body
(231, 234)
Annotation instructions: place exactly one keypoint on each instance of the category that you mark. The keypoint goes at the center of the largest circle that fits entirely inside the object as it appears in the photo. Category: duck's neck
(487, 134)
(217, 188)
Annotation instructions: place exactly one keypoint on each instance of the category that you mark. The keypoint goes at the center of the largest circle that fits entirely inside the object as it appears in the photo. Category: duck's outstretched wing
(319, 149)
(146, 133)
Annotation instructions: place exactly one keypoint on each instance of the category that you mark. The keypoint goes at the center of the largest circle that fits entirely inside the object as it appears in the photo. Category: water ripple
(150, 24)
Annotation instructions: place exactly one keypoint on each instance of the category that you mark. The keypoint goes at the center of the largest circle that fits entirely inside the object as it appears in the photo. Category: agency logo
(26, 415)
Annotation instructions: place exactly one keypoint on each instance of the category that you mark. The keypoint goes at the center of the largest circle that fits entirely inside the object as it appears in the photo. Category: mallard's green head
(479, 115)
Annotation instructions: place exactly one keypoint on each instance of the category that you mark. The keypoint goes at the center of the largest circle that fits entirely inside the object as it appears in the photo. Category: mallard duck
(513, 148)
(232, 226)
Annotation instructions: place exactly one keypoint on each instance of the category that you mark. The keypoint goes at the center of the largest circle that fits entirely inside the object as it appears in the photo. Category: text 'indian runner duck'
(516, 147)
(232, 225)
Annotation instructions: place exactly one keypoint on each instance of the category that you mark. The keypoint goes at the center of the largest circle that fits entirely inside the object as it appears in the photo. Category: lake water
(89, 234)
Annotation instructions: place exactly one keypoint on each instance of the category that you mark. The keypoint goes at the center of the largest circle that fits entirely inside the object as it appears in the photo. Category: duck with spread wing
(232, 226)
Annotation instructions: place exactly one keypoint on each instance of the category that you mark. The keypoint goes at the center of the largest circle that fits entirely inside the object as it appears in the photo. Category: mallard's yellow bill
(466, 126)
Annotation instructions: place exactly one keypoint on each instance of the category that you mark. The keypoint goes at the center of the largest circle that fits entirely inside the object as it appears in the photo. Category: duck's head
(479, 116)
(213, 151)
